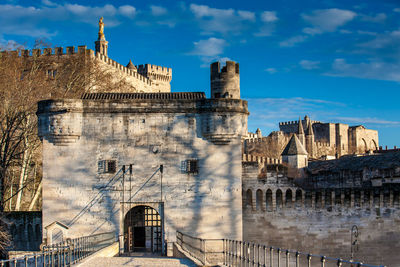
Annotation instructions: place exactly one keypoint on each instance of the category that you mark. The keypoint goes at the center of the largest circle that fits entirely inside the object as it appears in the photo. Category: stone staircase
(137, 261)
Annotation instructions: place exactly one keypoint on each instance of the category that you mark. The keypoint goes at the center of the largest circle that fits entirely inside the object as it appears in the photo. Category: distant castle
(145, 162)
(321, 140)
(145, 78)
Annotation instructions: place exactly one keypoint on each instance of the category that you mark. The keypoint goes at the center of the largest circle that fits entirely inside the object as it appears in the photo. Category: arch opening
(268, 200)
(249, 198)
(288, 198)
(279, 199)
(142, 230)
(259, 201)
(299, 198)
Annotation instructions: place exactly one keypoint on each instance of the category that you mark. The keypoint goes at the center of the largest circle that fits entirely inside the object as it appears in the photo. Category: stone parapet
(60, 121)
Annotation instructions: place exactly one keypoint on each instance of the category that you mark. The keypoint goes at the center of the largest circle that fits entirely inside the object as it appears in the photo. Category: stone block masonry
(80, 138)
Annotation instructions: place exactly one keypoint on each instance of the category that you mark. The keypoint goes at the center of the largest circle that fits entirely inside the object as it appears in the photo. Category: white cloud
(25, 20)
(269, 16)
(224, 21)
(48, 3)
(293, 41)
(360, 120)
(379, 18)
(396, 10)
(309, 65)
(327, 20)
(367, 33)
(10, 45)
(271, 70)
(158, 10)
(387, 39)
(247, 15)
(210, 47)
(345, 31)
(127, 11)
(376, 70)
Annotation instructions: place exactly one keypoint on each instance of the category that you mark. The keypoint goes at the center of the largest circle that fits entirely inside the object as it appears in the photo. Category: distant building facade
(321, 140)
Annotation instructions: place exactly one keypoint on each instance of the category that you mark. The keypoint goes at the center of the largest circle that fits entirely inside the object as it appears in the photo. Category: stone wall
(276, 212)
(145, 133)
(328, 232)
(25, 229)
(362, 140)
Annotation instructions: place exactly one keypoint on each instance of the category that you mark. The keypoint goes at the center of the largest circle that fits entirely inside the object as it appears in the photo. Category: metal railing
(65, 253)
(209, 252)
(243, 254)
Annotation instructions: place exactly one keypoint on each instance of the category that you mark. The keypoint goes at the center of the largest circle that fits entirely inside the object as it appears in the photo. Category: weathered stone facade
(321, 140)
(316, 214)
(145, 131)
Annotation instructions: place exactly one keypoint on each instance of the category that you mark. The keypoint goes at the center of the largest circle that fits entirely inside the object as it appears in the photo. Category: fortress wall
(342, 138)
(328, 232)
(135, 82)
(278, 213)
(145, 134)
(362, 139)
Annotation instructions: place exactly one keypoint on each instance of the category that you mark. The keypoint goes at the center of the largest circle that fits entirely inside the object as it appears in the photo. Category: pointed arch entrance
(142, 230)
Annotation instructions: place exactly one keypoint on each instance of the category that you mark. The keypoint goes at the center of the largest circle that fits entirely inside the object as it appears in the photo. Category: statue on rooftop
(101, 29)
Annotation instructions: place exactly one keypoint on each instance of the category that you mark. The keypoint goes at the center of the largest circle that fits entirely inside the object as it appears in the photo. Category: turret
(310, 139)
(225, 82)
(300, 133)
(131, 66)
(294, 154)
(258, 133)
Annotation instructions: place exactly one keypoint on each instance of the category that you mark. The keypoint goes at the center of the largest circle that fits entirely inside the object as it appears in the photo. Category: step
(138, 261)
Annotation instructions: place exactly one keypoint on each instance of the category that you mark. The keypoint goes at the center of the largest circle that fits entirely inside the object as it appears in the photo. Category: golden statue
(101, 29)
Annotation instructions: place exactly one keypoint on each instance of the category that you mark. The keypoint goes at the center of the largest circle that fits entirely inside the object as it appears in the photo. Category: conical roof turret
(130, 65)
(300, 129)
(309, 129)
(294, 147)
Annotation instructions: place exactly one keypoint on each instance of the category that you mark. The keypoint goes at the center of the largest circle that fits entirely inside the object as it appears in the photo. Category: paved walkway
(138, 262)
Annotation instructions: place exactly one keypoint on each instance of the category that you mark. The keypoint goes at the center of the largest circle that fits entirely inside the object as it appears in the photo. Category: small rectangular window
(111, 166)
(190, 166)
(107, 166)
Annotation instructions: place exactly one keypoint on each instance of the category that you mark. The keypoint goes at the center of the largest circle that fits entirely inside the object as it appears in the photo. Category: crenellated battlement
(155, 72)
(48, 51)
(295, 122)
(322, 144)
(122, 68)
(260, 159)
(225, 82)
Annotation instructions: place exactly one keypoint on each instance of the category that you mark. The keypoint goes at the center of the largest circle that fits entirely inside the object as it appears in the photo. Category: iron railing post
(309, 260)
(279, 257)
(26, 261)
(287, 258)
(297, 259)
(322, 261)
(339, 262)
(271, 257)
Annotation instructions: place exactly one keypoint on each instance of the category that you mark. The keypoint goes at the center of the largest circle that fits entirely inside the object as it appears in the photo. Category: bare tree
(25, 80)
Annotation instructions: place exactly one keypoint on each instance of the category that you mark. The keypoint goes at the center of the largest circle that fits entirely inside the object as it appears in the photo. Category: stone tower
(225, 82)
(300, 133)
(294, 154)
(101, 44)
(310, 140)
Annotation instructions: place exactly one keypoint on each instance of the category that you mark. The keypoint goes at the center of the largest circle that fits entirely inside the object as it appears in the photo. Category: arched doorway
(142, 230)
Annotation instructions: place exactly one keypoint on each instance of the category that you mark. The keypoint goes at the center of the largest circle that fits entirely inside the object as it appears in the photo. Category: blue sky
(337, 61)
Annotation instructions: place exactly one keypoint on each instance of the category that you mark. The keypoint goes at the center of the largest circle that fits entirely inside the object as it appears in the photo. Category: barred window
(190, 166)
(107, 166)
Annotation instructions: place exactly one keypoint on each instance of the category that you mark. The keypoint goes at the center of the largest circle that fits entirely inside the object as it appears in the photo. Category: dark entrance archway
(142, 230)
